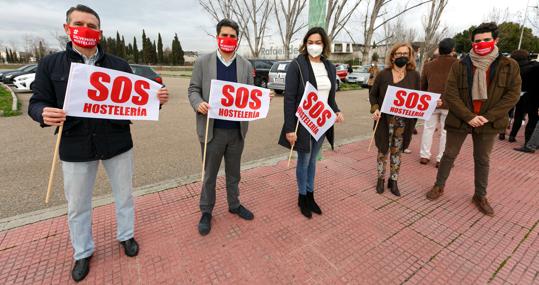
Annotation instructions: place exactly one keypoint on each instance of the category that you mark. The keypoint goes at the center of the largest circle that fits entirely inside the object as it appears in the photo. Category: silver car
(277, 76)
(359, 76)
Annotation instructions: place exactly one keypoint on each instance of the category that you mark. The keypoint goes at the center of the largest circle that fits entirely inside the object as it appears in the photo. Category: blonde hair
(411, 58)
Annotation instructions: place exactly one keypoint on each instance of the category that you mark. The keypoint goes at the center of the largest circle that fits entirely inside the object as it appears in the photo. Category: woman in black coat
(310, 66)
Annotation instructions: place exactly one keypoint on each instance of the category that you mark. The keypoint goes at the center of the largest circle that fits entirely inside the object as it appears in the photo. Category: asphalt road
(164, 150)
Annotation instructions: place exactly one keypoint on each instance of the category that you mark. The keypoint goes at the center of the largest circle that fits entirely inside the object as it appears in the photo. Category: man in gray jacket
(225, 138)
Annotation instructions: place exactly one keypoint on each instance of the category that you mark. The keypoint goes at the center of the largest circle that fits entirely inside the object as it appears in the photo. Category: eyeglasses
(483, 40)
(399, 54)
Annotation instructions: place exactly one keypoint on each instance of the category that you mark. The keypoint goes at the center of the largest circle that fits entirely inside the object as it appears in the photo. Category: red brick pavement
(362, 237)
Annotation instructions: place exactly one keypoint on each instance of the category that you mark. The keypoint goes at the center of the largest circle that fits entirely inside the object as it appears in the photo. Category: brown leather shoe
(482, 204)
(435, 192)
(424, 160)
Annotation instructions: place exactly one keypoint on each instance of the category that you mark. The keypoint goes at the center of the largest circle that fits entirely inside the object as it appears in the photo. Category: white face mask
(314, 50)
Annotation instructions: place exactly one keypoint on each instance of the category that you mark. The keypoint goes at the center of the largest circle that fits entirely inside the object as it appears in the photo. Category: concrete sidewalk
(361, 238)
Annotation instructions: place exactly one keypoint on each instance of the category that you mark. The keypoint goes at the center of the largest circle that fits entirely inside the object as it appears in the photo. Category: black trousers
(525, 106)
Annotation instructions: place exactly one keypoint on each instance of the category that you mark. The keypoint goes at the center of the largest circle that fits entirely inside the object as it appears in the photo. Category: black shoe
(243, 213)
(204, 226)
(303, 206)
(501, 137)
(312, 203)
(81, 269)
(524, 149)
(380, 186)
(512, 139)
(130, 247)
(393, 188)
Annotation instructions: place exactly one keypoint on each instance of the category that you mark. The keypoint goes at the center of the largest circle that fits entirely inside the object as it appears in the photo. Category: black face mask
(401, 61)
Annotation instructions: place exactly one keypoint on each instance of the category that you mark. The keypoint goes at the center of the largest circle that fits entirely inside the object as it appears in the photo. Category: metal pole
(523, 23)
(317, 13)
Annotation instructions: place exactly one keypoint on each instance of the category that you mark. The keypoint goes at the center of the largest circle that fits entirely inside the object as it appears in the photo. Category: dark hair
(520, 55)
(325, 40)
(228, 23)
(446, 46)
(82, 8)
(486, 28)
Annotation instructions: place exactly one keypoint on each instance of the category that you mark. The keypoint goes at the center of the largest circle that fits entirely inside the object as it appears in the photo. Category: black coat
(83, 139)
(294, 91)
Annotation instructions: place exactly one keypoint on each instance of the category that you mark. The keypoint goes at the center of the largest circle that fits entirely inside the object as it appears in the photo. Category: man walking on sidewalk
(481, 89)
(225, 138)
(433, 79)
(86, 141)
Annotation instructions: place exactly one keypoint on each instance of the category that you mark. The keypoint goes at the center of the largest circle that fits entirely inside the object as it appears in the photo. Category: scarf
(481, 63)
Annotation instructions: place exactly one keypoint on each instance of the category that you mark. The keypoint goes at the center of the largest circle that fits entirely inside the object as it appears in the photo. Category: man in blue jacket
(87, 141)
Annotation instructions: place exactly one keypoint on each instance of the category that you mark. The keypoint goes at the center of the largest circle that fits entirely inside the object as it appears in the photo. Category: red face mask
(84, 37)
(483, 48)
(227, 44)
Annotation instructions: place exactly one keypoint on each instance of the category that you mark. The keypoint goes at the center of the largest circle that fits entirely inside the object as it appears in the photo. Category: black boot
(312, 203)
(392, 185)
(380, 186)
(304, 207)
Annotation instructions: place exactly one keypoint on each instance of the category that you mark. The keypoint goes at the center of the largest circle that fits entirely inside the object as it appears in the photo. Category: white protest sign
(409, 103)
(96, 92)
(238, 102)
(315, 114)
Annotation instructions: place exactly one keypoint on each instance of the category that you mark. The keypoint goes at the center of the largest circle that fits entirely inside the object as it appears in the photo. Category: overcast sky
(186, 17)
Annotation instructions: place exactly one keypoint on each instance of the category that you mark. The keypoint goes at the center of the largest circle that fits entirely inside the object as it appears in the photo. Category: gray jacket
(204, 70)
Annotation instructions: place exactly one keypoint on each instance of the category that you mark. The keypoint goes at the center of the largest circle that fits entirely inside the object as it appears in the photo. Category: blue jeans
(79, 180)
(306, 167)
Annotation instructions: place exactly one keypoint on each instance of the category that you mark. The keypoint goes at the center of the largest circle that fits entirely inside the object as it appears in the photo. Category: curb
(15, 99)
(57, 211)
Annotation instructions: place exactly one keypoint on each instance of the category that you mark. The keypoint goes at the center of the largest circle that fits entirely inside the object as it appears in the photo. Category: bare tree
(497, 15)
(61, 38)
(218, 10)
(252, 17)
(370, 24)
(337, 16)
(35, 46)
(290, 13)
(431, 23)
(400, 32)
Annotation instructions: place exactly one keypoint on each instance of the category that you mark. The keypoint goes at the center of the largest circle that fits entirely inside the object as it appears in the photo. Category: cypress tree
(135, 50)
(160, 59)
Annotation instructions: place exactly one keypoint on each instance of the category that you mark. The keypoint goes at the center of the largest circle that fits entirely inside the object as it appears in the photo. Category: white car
(25, 82)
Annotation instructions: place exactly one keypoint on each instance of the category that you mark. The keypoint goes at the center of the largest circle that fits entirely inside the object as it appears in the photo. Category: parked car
(25, 82)
(359, 76)
(342, 71)
(7, 71)
(277, 77)
(8, 77)
(146, 71)
(261, 69)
